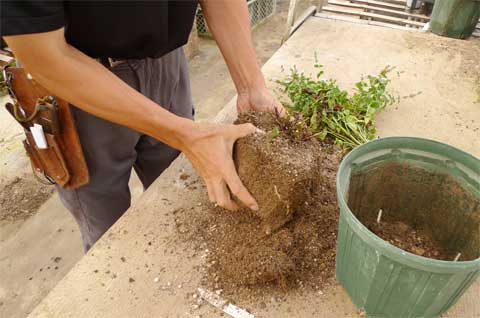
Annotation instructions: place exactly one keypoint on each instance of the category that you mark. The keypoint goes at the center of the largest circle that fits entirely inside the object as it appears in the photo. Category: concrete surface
(12, 160)
(53, 256)
(439, 78)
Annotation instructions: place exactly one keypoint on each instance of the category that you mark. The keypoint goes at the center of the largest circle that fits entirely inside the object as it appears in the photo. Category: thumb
(243, 130)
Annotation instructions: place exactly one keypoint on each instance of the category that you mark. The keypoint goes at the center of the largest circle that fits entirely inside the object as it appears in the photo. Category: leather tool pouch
(62, 161)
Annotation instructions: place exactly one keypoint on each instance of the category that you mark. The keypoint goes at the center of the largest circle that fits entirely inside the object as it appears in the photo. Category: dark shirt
(119, 29)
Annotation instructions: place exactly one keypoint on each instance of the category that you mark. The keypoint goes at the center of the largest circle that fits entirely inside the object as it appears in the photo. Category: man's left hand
(259, 100)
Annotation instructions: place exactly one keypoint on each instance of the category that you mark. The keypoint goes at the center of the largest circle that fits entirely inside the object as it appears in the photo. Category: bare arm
(229, 22)
(80, 80)
(77, 78)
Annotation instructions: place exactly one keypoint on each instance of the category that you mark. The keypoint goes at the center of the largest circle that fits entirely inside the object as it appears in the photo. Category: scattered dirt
(300, 250)
(184, 176)
(21, 198)
(424, 211)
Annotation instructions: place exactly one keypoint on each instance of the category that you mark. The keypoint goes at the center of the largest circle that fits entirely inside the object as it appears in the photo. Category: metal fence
(259, 10)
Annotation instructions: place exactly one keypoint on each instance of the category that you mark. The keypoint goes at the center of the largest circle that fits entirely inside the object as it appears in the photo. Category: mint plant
(330, 113)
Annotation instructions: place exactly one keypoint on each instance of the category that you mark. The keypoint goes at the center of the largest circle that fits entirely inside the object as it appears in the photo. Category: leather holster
(62, 161)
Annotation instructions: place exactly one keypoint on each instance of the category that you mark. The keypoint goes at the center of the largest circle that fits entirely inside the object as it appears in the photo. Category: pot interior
(417, 199)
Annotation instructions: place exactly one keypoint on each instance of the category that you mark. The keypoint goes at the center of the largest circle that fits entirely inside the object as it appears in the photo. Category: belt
(110, 61)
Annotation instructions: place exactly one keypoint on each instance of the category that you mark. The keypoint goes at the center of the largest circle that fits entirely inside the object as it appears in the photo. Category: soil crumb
(21, 198)
(245, 261)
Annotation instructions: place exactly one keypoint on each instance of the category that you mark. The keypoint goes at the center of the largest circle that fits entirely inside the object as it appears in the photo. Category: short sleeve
(25, 17)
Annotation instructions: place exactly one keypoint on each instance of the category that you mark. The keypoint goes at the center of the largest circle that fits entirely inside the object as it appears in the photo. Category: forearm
(229, 23)
(80, 80)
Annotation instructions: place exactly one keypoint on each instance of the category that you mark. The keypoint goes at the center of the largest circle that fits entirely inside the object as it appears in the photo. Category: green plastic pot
(455, 18)
(382, 279)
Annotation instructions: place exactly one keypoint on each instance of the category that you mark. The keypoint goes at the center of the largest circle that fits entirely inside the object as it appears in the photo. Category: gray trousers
(111, 150)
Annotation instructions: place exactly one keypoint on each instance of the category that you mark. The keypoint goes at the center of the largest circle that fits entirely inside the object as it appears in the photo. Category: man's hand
(258, 100)
(210, 149)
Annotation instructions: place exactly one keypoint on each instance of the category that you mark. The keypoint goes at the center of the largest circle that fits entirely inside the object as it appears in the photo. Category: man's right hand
(209, 147)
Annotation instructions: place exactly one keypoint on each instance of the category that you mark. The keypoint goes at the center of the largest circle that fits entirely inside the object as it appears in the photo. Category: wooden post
(290, 18)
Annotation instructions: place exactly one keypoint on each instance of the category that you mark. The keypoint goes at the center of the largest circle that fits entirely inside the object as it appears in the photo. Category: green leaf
(323, 134)
(274, 132)
(313, 122)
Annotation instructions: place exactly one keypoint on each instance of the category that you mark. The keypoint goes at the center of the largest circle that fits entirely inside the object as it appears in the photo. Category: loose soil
(403, 236)
(21, 198)
(298, 251)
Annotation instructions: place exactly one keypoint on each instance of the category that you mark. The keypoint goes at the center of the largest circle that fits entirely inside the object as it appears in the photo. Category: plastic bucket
(455, 18)
(384, 280)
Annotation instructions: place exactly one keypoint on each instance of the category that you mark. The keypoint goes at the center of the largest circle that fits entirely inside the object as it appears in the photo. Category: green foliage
(330, 113)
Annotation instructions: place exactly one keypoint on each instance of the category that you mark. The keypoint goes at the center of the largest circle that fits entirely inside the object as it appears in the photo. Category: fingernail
(254, 207)
(259, 131)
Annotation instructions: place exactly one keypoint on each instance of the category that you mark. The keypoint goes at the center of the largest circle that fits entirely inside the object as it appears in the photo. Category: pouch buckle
(114, 62)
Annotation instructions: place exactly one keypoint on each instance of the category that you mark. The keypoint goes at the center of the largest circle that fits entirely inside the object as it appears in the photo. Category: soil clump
(280, 172)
